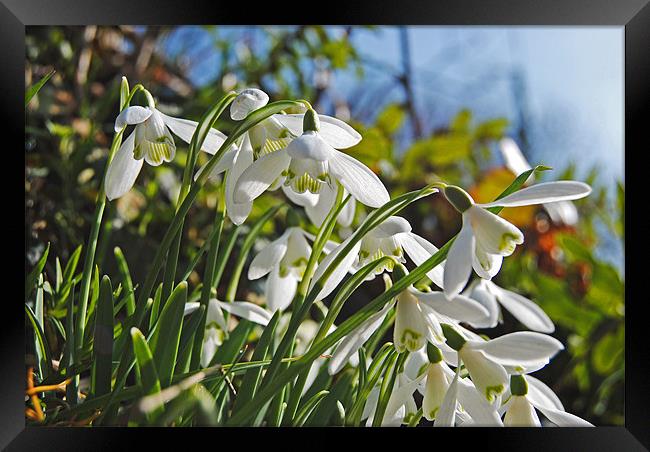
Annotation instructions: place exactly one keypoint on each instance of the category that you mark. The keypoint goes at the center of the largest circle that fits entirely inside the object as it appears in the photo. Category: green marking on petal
(492, 391)
(508, 243)
(410, 339)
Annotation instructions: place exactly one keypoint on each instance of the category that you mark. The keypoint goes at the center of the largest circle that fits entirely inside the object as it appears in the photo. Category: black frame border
(633, 15)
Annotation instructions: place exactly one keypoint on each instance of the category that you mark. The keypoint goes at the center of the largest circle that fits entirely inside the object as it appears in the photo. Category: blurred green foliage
(69, 125)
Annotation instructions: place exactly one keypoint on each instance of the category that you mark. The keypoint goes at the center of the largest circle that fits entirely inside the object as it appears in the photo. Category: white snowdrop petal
(248, 311)
(541, 395)
(269, 257)
(259, 176)
(358, 180)
(564, 190)
(479, 292)
(190, 307)
(514, 159)
(280, 290)
(446, 416)
(562, 418)
(123, 170)
(521, 414)
(520, 348)
(458, 267)
(459, 308)
(247, 101)
(524, 310)
(337, 133)
(494, 235)
(132, 115)
(184, 129)
(238, 212)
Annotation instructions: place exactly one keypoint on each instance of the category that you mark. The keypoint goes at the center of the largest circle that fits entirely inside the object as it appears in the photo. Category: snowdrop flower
(488, 362)
(311, 161)
(491, 296)
(285, 260)
(150, 141)
(434, 364)
(560, 212)
(417, 320)
(215, 322)
(485, 238)
(528, 395)
(392, 238)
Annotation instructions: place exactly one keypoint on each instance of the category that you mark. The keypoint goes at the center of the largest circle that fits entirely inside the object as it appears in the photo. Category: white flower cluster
(464, 379)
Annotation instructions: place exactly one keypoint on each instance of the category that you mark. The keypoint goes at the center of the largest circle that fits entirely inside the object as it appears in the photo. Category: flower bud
(518, 385)
(454, 339)
(124, 92)
(310, 121)
(457, 197)
(433, 353)
(399, 272)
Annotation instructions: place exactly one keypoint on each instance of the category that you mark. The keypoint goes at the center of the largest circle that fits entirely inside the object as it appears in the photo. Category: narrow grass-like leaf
(148, 373)
(33, 275)
(71, 265)
(36, 87)
(126, 279)
(185, 346)
(42, 345)
(103, 341)
(251, 379)
(387, 385)
(328, 406)
(309, 406)
(155, 308)
(165, 340)
(225, 250)
(68, 359)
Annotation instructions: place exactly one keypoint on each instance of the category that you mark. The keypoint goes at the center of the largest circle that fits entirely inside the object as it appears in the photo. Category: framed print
(406, 216)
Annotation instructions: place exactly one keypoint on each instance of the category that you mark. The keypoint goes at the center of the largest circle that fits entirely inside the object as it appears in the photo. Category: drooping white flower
(488, 362)
(215, 322)
(150, 141)
(485, 238)
(392, 238)
(417, 320)
(310, 161)
(562, 212)
(492, 296)
(529, 394)
(285, 260)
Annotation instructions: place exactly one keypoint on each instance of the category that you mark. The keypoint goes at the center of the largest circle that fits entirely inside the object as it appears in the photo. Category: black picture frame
(633, 15)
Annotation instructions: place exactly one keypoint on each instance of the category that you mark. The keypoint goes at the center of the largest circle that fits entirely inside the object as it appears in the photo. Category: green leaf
(148, 373)
(166, 338)
(185, 346)
(126, 279)
(250, 381)
(390, 376)
(71, 266)
(309, 406)
(31, 278)
(327, 408)
(35, 88)
(103, 341)
(43, 347)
